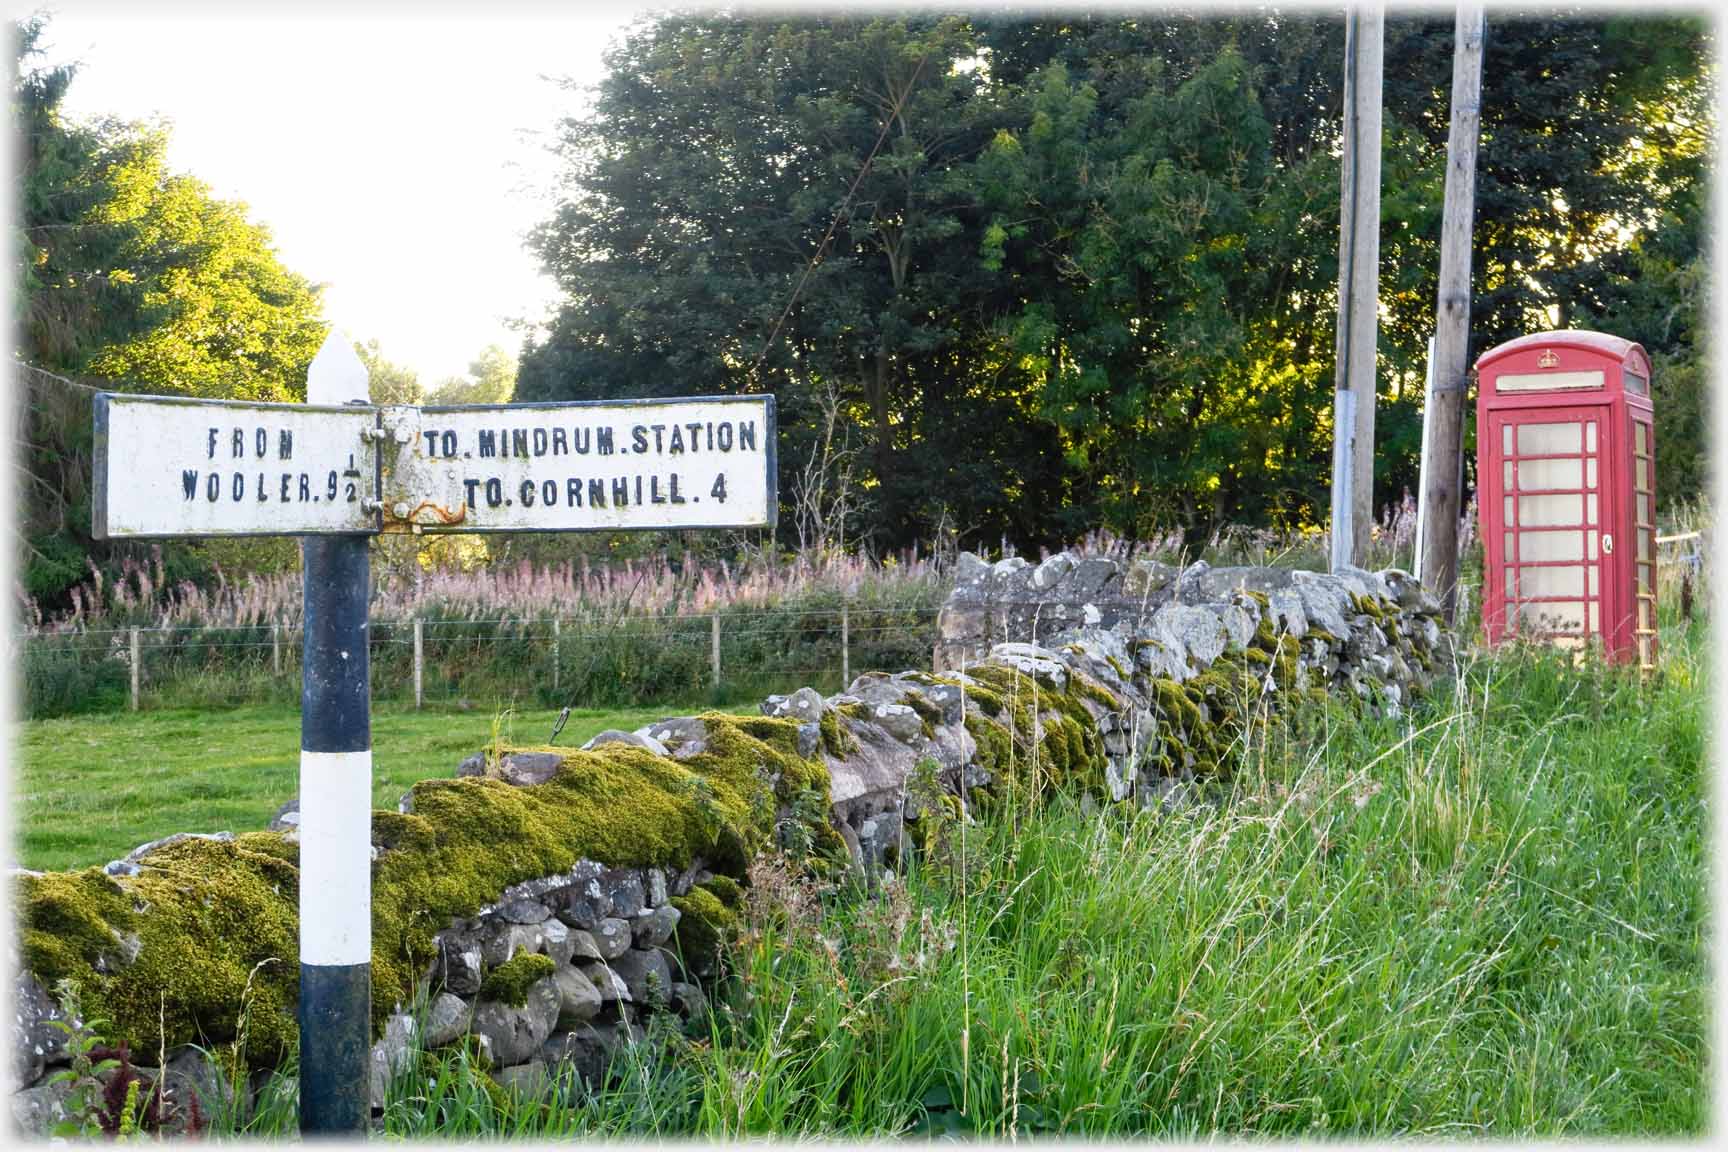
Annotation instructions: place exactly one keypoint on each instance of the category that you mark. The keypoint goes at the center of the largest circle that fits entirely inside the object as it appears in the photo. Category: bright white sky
(397, 160)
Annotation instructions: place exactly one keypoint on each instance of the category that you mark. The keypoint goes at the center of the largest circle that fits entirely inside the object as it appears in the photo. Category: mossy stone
(509, 982)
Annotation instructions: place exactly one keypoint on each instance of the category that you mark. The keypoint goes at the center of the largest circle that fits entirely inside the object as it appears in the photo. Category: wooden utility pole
(1358, 291)
(1443, 452)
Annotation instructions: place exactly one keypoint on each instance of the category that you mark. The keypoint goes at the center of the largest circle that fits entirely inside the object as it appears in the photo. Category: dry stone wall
(544, 905)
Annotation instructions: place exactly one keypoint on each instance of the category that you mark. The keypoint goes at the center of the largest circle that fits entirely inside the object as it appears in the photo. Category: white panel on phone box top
(167, 466)
(705, 462)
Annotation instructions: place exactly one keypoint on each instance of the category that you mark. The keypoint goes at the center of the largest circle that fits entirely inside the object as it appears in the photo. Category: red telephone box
(1565, 473)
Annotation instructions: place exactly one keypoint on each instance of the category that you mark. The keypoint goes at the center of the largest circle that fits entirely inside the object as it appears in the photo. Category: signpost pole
(335, 806)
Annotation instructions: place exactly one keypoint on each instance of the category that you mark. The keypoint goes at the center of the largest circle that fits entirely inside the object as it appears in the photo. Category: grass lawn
(90, 788)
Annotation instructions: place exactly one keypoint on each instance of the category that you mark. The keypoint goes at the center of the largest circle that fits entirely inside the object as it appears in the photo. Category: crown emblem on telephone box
(1548, 359)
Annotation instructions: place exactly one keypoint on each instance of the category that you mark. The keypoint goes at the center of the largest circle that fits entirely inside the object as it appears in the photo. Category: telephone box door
(1640, 616)
(1551, 553)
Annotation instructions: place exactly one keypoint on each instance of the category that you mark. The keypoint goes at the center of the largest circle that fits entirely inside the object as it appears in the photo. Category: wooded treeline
(132, 276)
(1074, 271)
(1088, 277)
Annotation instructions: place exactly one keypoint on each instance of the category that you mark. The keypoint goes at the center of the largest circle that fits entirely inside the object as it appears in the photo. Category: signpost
(338, 470)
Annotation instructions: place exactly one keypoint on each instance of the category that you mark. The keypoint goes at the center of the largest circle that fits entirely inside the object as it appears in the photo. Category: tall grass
(1483, 918)
(1486, 918)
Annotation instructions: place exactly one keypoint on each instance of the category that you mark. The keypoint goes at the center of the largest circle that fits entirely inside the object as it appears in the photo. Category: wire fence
(550, 660)
(589, 657)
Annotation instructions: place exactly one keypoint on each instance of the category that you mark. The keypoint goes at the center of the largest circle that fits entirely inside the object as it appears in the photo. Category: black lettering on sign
(582, 438)
(654, 496)
(677, 442)
(471, 485)
(330, 494)
(638, 490)
(494, 492)
(518, 442)
(189, 480)
(558, 446)
(284, 444)
(305, 487)
(549, 493)
(596, 494)
(695, 427)
(447, 442)
(539, 441)
(527, 493)
(263, 493)
(214, 432)
(659, 439)
(719, 489)
(603, 442)
(488, 444)
(239, 486)
(747, 436)
(639, 438)
(675, 498)
(725, 431)
(286, 476)
(261, 442)
(431, 442)
(573, 492)
(212, 487)
(239, 443)
(620, 491)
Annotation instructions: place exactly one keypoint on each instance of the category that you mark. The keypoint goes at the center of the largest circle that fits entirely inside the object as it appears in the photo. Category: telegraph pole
(1443, 452)
(1358, 291)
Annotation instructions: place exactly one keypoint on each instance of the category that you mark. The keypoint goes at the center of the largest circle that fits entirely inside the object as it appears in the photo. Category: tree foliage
(130, 277)
(387, 382)
(1081, 270)
(491, 379)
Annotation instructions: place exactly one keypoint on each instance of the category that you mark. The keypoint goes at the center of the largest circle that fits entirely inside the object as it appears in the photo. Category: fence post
(276, 647)
(936, 648)
(419, 662)
(714, 655)
(845, 648)
(137, 663)
(555, 653)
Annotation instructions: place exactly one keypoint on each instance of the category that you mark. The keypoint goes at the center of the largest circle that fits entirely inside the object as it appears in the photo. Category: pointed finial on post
(337, 374)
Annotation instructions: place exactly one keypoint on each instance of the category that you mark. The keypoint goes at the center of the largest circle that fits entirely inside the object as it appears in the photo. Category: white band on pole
(336, 857)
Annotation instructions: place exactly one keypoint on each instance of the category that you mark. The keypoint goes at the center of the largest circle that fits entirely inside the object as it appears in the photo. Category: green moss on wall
(205, 916)
(727, 890)
(509, 982)
(705, 927)
(836, 741)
